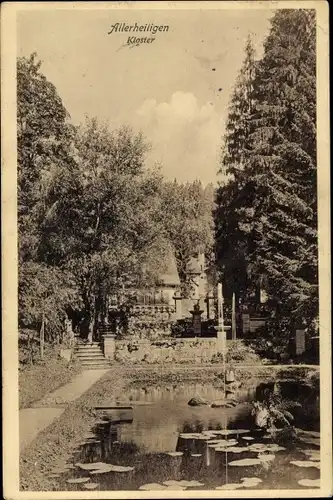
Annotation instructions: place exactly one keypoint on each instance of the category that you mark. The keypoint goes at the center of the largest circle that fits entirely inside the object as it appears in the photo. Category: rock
(224, 403)
(219, 404)
(198, 401)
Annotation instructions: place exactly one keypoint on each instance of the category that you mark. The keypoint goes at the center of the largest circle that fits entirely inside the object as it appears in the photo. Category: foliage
(238, 352)
(182, 328)
(232, 238)
(44, 140)
(271, 203)
(274, 411)
(188, 210)
(273, 339)
(48, 290)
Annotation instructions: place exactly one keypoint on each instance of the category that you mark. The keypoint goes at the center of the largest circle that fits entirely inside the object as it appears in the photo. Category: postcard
(166, 250)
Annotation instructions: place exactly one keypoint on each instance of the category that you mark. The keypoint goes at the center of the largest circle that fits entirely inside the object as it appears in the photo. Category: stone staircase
(91, 356)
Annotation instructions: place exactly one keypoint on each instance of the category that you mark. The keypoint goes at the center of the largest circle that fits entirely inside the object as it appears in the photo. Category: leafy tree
(103, 220)
(188, 210)
(44, 145)
(49, 291)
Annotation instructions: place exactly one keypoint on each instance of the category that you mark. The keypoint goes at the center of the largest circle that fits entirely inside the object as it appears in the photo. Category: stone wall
(194, 350)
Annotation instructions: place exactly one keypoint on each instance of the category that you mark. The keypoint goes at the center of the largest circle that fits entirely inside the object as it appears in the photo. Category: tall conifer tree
(274, 197)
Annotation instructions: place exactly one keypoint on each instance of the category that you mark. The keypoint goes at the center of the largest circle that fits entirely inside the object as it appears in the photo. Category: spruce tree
(230, 219)
(271, 204)
(281, 167)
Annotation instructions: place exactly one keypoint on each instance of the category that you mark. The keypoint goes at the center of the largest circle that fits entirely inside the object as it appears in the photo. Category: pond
(163, 443)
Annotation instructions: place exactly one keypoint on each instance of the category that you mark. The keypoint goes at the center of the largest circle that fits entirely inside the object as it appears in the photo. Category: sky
(175, 89)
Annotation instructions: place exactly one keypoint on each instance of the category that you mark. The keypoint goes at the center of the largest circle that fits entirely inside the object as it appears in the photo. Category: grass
(37, 380)
(56, 443)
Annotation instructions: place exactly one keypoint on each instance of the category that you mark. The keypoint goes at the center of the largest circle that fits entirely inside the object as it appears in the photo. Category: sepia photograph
(166, 250)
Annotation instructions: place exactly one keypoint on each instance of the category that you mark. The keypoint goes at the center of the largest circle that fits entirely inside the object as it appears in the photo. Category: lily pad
(258, 446)
(196, 455)
(102, 470)
(91, 486)
(238, 449)
(248, 438)
(176, 487)
(92, 466)
(112, 468)
(305, 463)
(121, 468)
(170, 482)
(185, 435)
(313, 455)
(274, 447)
(183, 484)
(228, 432)
(58, 470)
(175, 453)
(245, 462)
(310, 440)
(190, 484)
(310, 483)
(230, 486)
(266, 457)
(251, 479)
(53, 476)
(78, 480)
(152, 487)
(312, 434)
(222, 443)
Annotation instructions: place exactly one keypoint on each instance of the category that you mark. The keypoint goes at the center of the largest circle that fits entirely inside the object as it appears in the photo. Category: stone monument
(196, 321)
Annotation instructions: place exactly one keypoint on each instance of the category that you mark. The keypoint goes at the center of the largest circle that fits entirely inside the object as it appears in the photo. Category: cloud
(185, 136)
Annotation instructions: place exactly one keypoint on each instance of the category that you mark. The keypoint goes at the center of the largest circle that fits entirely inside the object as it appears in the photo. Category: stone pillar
(178, 304)
(210, 305)
(246, 323)
(300, 342)
(109, 346)
(221, 339)
(196, 314)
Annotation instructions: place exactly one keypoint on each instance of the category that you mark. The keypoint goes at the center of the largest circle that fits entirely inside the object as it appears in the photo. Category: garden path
(35, 419)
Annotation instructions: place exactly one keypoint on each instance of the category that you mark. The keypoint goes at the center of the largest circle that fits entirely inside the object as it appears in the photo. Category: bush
(182, 328)
(273, 339)
(238, 352)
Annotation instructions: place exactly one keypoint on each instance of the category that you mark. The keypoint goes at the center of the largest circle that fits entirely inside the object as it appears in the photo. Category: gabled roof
(170, 276)
(194, 266)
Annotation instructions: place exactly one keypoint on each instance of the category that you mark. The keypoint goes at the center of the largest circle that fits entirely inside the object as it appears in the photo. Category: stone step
(88, 344)
(88, 348)
(94, 364)
(97, 367)
(85, 357)
(88, 351)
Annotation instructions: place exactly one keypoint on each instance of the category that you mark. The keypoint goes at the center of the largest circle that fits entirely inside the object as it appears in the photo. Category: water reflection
(156, 425)
(163, 423)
